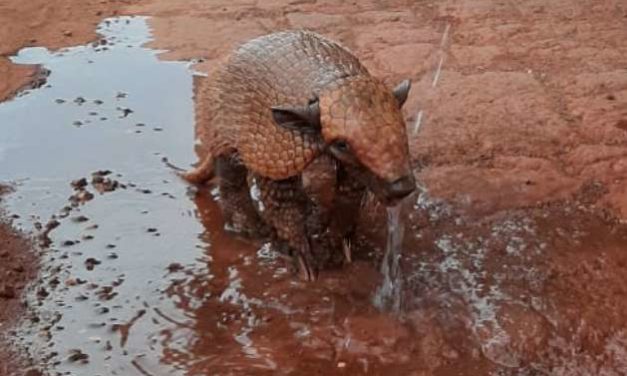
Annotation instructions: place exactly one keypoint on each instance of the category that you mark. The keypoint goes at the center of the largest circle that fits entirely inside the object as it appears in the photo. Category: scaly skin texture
(364, 112)
(302, 192)
(287, 68)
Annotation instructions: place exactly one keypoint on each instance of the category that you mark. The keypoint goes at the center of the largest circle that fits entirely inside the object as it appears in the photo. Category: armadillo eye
(341, 145)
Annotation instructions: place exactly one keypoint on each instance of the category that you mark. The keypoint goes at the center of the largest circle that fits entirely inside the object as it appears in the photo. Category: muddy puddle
(141, 279)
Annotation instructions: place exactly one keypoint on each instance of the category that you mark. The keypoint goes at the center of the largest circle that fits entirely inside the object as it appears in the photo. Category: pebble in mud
(174, 267)
(91, 262)
(76, 355)
(79, 183)
(80, 219)
(125, 111)
(102, 184)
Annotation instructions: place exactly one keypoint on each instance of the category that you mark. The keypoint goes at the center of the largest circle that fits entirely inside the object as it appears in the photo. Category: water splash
(388, 295)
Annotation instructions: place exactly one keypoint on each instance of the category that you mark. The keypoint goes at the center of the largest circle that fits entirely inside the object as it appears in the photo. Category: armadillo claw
(307, 273)
(347, 248)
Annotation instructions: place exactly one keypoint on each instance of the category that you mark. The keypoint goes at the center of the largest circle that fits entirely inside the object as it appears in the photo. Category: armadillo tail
(202, 173)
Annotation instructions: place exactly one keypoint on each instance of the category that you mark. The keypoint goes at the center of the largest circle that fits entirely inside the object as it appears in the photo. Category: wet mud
(18, 267)
(509, 265)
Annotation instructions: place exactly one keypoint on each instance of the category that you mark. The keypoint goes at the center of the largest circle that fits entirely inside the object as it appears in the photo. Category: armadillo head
(362, 125)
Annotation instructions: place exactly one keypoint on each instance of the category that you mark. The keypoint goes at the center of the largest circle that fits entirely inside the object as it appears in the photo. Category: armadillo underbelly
(285, 68)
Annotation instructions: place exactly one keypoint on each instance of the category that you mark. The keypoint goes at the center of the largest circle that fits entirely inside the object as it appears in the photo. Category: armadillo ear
(305, 119)
(401, 91)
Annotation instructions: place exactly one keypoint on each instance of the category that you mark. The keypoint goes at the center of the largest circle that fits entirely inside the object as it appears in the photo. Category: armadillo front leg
(283, 205)
(349, 197)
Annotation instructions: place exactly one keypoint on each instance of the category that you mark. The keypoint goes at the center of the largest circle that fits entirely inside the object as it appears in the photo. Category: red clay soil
(18, 266)
(53, 24)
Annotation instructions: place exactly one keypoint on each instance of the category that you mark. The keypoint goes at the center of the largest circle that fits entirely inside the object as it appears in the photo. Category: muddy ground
(515, 259)
(18, 266)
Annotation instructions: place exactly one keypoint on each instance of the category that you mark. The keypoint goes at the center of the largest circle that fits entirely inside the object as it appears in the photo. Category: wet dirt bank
(55, 24)
(18, 267)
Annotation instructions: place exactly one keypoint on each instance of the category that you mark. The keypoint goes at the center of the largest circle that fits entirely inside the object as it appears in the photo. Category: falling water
(388, 295)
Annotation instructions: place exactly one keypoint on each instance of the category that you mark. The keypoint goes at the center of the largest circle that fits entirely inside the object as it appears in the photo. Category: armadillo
(297, 115)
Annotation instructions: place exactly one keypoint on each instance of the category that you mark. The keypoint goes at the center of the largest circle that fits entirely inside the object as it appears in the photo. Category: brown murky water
(141, 278)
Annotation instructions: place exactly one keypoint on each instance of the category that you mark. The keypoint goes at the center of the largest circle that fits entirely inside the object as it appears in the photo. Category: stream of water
(388, 295)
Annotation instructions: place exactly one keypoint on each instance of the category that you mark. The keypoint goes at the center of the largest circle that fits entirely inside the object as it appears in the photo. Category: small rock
(59, 101)
(42, 293)
(102, 310)
(77, 355)
(68, 243)
(79, 183)
(79, 100)
(151, 229)
(74, 281)
(80, 219)
(91, 262)
(125, 111)
(101, 173)
(67, 33)
(98, 101)
(175, 267)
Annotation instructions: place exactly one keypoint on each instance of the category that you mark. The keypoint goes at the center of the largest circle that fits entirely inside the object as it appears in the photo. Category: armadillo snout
(400, 188)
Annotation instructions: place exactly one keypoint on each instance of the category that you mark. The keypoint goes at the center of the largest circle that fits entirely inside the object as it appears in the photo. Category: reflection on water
(110, 109)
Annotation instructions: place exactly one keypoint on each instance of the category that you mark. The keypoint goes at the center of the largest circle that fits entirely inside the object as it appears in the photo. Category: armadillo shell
(281, 69)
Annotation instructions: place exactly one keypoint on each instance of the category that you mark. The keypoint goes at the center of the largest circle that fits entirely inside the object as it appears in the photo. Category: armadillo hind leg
(237, 206)
(201, 173)
(283, 205)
